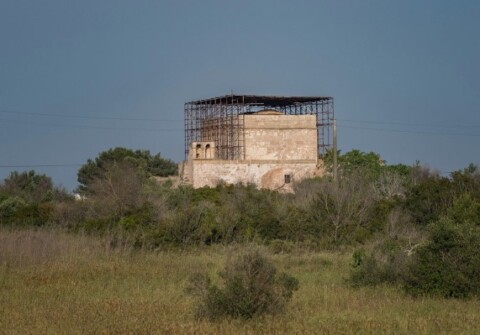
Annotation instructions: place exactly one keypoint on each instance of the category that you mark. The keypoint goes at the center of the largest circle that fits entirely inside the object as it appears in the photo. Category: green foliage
(256, 210)
(10, 208)
(449, 264)
(465, 209)
(251, 288)
(467, 181)
(430, 198)
(400, 169)
(27, 199)
(369, 163)
(190, 225)
(385, 209)
(357, 160)
(142, 160)
(422, 230)
(380, 213)
(387, 263)
(30, 186)
(161, 167)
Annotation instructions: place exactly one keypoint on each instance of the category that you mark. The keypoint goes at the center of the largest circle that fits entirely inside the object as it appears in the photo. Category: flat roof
(266, 100)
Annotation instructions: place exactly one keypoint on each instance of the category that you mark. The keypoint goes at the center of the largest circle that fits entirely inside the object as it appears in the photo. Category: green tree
(30, 186)
(465, 208)
(428, 199)
(368, 163)
(140, 159)
(27, 198)
(355, 160)
(467, 181)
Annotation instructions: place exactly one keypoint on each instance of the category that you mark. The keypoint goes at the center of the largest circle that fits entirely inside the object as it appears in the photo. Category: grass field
(54, 283)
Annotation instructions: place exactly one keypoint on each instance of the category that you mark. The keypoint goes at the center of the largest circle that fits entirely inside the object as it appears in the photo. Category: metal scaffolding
(221, 120)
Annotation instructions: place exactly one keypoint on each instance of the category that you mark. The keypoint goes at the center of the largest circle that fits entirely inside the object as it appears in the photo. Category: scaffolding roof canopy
(272, 101)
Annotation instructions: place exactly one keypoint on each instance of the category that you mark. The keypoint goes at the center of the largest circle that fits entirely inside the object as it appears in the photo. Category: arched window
(208, 152)
(198, 151)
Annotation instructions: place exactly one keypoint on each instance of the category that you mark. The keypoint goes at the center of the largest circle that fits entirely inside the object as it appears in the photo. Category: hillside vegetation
(385, 248)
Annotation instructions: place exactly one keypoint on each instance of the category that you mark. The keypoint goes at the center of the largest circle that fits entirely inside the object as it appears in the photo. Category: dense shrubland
(408, 225)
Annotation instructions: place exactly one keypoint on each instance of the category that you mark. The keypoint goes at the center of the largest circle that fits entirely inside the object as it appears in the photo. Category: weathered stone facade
(278, 150)
(280, 137)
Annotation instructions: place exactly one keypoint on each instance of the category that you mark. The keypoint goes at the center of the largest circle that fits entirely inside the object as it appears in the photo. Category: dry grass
(54, 283)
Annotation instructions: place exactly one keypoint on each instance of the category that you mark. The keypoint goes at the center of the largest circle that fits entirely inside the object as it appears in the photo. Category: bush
(449, 265)
(251, 288)
(9, 209)
(386, 264)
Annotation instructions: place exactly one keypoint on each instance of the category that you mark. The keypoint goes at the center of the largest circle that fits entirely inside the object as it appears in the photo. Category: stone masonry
(279, 150)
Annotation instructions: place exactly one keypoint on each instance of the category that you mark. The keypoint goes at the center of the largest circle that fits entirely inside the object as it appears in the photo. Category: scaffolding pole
(221, 120)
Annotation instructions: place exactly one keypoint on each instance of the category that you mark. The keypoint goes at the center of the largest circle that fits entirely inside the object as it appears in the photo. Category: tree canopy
(142, 160)
(367, 162)
(30, 186)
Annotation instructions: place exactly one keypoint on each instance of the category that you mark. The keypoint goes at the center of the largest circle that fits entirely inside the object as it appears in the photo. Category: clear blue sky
(80, 77)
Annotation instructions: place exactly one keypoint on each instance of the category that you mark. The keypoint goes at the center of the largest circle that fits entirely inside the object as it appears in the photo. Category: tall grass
(56, 283)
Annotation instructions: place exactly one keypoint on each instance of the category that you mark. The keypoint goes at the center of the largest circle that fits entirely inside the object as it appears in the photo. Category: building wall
(279, 150)
(265, 174)
(280, 137)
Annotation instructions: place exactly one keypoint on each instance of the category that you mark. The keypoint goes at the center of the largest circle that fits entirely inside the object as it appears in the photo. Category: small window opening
(208, 153)
(197, 152)
(288, 179)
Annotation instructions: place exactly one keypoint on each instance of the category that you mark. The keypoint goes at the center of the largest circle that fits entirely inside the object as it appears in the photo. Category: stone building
(265, 140)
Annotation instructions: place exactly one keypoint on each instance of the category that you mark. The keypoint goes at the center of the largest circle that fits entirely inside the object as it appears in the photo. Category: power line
(456, 125)
(90, 116)
(410, 124)
(413, 124)
(407, 131)
(38, 165)
(411, 131)
(180, 129)
(89, 127)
